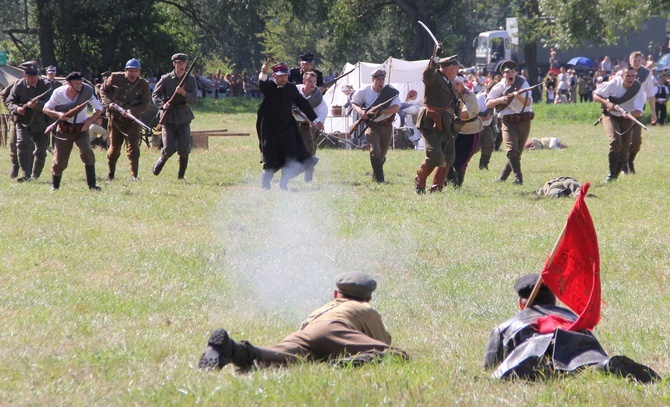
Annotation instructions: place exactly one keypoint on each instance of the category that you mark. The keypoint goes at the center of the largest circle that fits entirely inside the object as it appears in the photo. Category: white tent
(402, 75)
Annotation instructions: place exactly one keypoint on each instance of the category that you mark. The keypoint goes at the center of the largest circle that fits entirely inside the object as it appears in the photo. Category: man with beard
(280, 143)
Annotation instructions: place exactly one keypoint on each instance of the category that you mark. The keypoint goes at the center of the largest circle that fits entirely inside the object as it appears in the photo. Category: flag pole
(536, 289)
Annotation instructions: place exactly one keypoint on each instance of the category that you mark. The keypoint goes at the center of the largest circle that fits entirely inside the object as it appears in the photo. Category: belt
(303, 124)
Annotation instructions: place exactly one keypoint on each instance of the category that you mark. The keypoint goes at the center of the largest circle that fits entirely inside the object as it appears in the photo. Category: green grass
(108, 298)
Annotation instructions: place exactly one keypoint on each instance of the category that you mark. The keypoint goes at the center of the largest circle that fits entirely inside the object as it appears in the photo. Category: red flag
(572, 272)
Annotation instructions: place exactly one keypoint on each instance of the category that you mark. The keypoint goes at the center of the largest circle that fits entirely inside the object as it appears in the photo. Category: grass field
(108, 298)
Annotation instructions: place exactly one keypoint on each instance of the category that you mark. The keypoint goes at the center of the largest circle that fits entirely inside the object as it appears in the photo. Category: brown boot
(438, 179)
(421, 176)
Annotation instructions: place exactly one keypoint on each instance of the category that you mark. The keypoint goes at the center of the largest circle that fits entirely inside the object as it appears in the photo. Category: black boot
(158, 167)
(55, 182)
(614, 167)
(222, 350)
(377, 169)
(515, 163)
(631, 165)
(14, 171)
(461, 177)
(484, 161)
(507, 170)
(90, 178)
(183, 163)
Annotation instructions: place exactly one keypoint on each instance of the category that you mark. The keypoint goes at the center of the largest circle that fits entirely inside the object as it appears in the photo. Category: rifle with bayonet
(126, 113)
(372, 113)
(15, 117)
(328, 84)
(626, 115)
(180, 86)
(325, 135)
(66, 116)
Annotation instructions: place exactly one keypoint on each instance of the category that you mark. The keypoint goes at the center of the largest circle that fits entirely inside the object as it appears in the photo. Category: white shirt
(615, 88)
(321, 110)
(516, 106)
(367, 96)
(59, 97)
(481, 101)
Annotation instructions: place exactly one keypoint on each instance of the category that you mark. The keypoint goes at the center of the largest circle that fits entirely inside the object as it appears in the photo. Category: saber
(429, 32)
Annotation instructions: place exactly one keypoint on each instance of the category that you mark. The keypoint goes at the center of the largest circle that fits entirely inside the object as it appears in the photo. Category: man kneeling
(347, 327)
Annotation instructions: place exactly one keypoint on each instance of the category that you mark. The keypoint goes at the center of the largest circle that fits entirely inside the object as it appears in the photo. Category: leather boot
(631, 165)
(377, 169)
(484, 161)
(614, 167)
(90, 178)
(55, 182)
(38, 166)
(507, 170)
(14, 171)
(451, 177)
(266, 179)
(158, 167)
(421, 176)
(439, 178)
(461, 177)
(515, 163)
(183, 163)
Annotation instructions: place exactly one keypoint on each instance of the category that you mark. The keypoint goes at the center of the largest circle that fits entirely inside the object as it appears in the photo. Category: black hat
(74, 76)
(307, 57)
(507, 65)
(524, 287)
(355, 284)
(179, 57)
(449, 61)
(30, 68)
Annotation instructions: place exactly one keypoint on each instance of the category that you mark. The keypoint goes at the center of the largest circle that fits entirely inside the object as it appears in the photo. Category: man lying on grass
(347, 330)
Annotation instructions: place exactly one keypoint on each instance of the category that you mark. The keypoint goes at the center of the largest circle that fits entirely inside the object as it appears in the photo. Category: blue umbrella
(582, 61)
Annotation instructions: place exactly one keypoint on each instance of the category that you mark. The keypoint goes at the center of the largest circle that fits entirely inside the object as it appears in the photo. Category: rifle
(512, 95)
(375, 111)
(181, 85)
(625, 115)
(148, 130)
(67, 115)
(325, 135)
(327, 85)
(15, 117)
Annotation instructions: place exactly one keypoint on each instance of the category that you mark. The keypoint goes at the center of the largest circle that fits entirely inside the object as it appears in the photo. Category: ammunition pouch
(518, 118)
(69, 128)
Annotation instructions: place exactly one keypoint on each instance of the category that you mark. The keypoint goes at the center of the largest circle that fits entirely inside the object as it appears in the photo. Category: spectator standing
(662, 93)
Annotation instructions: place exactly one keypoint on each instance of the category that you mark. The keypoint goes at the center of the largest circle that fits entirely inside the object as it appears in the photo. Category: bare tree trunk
(415, 12)
(45, 32)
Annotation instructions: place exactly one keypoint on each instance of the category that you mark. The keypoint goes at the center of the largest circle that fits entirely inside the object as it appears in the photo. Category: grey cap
(355, 284)
(379, 72)
(180, 56)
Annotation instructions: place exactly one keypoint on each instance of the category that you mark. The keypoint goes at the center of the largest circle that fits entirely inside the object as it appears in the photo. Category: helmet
(133, 64)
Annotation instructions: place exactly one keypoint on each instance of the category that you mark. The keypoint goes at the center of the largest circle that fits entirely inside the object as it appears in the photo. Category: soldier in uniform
(25, 103)
(73, 129)
(627, 92)
(280, 142)
(51, 77)
(348, 326)
(516, 113)
(518, 350)
(314, 96)
(306, 65)
(383, 99)
(13, 155)
(131, 92)
(440, 104)
(176, 131)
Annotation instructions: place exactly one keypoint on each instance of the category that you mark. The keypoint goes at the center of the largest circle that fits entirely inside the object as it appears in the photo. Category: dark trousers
(466, 146)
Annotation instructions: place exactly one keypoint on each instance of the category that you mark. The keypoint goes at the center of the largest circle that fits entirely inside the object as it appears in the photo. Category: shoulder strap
(630, 92)
(387, 93)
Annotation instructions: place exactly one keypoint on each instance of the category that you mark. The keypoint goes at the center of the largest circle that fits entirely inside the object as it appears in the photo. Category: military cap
(29, 68)
(280, 69)
(379, 72)
(307, 57)
(459, 79)
(507, 65)
(449, 61)
(51, 69)
(179, 57)
(133, 64)
(355, 284)
(106, 74)
(74, 76)
(524, 287)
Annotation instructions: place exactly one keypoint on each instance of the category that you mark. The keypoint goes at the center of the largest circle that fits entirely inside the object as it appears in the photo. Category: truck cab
(491, 47)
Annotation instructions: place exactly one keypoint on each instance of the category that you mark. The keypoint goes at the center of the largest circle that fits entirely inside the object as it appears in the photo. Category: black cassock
(278, 136)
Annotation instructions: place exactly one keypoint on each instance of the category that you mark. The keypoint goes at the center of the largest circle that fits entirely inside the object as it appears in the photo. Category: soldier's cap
(280, 69)
(379, 72)
(74, 76)
(51, 69)
(524, 287)
(29, 68)
(507, 66)
(106, 74)
(459, 79)
(133, 64)
(355, 284)
(179, 57)
(307, 57)
(449, 61)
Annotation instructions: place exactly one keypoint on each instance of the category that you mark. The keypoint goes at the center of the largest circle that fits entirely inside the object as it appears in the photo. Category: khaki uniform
(134, 96)
(11, 131)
